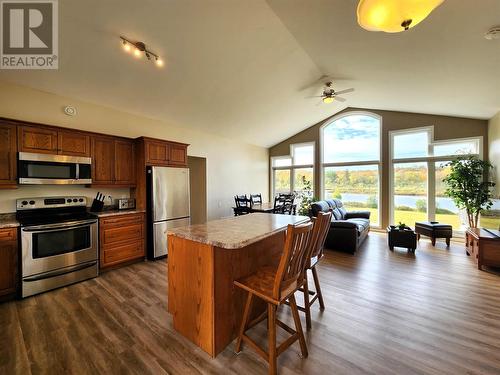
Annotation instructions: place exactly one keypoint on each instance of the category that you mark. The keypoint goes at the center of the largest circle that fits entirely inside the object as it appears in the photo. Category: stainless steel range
(59, 243)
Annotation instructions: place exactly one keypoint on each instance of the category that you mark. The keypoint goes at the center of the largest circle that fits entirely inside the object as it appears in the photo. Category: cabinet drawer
(8, 234)
(122, 253)
(115, 221)
(123, 233)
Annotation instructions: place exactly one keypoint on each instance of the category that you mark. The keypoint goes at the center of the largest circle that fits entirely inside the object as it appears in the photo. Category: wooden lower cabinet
(8, 262)
(121, 239)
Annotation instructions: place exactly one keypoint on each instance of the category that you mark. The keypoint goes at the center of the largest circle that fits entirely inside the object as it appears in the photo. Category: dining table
(265, 207)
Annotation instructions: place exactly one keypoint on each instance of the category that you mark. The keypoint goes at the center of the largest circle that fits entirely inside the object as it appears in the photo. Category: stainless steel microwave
(45, 169)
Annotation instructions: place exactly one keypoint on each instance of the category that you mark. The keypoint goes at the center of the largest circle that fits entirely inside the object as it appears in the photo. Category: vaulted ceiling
(242, 68)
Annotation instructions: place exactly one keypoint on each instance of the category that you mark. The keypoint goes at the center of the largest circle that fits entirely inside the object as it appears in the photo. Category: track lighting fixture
(139, 49)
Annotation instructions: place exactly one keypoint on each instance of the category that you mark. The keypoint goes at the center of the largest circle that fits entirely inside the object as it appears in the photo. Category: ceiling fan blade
(314, 96)
(343, 91)
(339, 99)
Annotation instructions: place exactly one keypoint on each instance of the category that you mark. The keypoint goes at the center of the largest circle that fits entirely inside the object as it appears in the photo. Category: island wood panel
(37, 140)
(8, 148)
(206, 307)
(191, 294)
(73, 143)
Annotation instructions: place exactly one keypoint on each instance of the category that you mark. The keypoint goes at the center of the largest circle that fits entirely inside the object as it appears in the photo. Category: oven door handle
(64, 271)
(59, 226)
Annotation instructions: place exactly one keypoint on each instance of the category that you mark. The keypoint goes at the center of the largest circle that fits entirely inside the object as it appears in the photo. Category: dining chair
(275, 286)
(242, 205)
(255, 199)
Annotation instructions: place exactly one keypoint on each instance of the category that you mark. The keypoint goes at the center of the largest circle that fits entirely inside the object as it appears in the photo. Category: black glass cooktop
(52, 216)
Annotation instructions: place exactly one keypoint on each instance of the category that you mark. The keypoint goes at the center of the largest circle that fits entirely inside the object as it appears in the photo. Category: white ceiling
(241, 68)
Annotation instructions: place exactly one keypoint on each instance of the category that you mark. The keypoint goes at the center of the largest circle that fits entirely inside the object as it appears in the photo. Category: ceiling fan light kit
(139, 49)
(330, 95)
(393, 16)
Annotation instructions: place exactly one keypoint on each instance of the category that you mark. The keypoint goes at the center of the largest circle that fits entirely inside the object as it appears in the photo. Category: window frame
(431, 161)
(292, 167)
(379, 163)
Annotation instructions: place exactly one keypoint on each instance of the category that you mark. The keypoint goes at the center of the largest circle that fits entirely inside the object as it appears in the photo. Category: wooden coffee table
(402, 238)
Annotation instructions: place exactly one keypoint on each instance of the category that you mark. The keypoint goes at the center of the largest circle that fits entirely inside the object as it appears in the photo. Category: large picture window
(418, 167)
(351, 162)
(294, 173)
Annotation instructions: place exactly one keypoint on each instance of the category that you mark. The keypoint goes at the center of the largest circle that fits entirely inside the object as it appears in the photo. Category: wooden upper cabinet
(165, 153)
(124, 162)
(8, 147)
(51, 141)
(37, 140)
(177, 154)
(103, 165)
(73, 143)
(156, 152)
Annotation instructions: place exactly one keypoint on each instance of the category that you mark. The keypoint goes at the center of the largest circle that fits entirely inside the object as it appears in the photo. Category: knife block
(97, 206)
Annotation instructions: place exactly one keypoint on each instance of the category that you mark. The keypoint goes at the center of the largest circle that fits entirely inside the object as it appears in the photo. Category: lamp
(328, 99)
(393, 16)
(139, 48)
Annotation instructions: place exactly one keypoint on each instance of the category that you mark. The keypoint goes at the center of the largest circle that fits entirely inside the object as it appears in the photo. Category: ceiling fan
(330, 95)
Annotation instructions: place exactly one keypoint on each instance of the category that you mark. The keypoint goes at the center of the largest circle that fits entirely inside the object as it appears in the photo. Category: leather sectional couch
(348, 230)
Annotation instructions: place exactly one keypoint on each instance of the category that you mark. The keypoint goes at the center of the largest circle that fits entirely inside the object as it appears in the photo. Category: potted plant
(469, 185)
(306, 198)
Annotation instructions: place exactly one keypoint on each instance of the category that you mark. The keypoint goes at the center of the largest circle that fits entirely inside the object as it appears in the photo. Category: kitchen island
(203, 262)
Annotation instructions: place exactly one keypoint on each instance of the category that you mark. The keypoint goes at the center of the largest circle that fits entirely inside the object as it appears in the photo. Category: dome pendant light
(393, 16)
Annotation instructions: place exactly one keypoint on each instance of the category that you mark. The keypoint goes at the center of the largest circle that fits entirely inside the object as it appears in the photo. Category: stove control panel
(50, 202)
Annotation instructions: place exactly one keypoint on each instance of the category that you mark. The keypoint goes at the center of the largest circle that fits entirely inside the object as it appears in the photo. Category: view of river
(411, 201)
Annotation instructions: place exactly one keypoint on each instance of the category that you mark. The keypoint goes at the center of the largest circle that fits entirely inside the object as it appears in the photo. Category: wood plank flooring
(386, 313)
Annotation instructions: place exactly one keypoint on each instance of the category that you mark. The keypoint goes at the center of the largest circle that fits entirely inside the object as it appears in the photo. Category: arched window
(350, 155)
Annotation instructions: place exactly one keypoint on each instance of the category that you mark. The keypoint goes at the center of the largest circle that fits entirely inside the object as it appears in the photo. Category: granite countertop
(115, 212)
(237, 232)
(8, 221)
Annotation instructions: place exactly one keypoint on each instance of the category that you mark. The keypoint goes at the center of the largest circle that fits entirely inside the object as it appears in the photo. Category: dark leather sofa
(348, 230)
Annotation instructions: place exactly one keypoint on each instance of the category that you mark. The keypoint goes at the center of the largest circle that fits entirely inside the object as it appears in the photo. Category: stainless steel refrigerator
(168, 205)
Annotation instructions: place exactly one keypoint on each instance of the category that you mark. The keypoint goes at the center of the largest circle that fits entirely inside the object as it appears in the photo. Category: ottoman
(434, 230)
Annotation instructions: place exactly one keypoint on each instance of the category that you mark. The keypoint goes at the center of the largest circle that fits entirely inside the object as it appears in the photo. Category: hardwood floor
(386, 313)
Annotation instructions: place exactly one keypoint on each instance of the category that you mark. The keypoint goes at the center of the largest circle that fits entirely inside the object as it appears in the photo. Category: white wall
(233, 167)
(494, 148)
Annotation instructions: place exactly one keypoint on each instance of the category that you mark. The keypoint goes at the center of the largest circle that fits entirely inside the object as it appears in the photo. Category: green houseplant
(469, 185)
(306, 198)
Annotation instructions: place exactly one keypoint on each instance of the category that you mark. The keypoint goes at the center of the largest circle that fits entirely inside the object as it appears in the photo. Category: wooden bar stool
(275, 287)
(318, 237)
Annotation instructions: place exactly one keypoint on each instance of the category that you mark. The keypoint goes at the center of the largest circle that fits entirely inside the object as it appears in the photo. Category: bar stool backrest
(320, 231)
(293, 260)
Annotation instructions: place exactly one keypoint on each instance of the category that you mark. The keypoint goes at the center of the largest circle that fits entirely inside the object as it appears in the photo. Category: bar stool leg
(271, 320)
(298, 326)
(244, 322)
(307, 305)
(318, 288)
